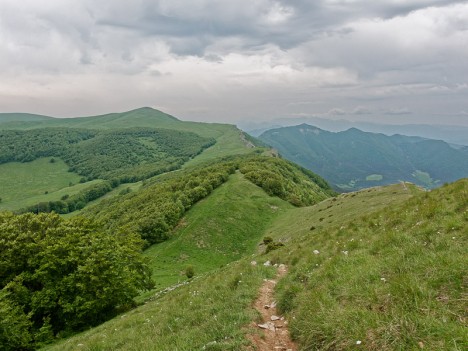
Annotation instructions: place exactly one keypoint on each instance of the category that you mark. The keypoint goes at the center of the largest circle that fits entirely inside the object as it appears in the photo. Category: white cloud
(398, 111)
(361, 110)
(214, 59)
(336, 112)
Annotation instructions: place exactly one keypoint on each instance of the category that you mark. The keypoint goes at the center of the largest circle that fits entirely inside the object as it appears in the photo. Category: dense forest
(122, 156)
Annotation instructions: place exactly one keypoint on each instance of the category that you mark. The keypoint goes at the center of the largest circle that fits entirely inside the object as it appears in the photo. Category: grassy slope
(216, 306)
(228, 143)
(142, 117)
(208, 314)
(219, 229)
(114, 192)
(24, 184)
(392, 280)
(338, 210)
(227, 135)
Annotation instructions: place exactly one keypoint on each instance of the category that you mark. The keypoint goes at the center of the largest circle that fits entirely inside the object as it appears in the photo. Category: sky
(386, 61)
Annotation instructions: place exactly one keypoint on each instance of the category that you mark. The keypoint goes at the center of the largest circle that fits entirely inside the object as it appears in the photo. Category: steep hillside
(354, 159)
(453, 134)
(176, 261)
(157, 207)
(224, 227)
(391, 280)
(122, 154)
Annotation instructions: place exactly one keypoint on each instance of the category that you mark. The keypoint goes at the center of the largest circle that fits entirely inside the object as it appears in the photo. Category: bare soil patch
(272, 333)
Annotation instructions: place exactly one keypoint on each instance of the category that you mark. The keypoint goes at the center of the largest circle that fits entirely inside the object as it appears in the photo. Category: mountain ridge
(454, 134)
(354, 159)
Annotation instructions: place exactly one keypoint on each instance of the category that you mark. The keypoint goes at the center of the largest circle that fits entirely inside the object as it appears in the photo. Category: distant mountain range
(354, 159)
(449, 133)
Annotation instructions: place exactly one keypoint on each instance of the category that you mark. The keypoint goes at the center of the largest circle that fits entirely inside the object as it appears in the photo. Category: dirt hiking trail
(273, 327)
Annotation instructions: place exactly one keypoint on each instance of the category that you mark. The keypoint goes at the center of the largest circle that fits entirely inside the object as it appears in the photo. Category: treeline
(286, 180)
(26, 146)
(122, 156)
(72, 203)
(60, 276)
(156, 209)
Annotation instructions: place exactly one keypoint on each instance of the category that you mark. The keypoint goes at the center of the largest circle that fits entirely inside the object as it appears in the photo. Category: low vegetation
(210, 313)
(25, 184)
(156, 209)
(351, 283)
(392, 280)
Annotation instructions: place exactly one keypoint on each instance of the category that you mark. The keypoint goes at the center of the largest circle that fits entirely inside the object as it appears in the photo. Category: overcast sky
(388, 61)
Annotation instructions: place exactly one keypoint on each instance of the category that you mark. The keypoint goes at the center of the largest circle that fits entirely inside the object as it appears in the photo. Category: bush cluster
(286, 180)
(61, 275)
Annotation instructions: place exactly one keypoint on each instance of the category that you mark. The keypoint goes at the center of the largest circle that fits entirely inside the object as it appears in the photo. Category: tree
(67, 274)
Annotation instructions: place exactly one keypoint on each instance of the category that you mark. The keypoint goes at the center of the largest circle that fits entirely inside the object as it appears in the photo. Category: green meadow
(24, 184)
(219, 229)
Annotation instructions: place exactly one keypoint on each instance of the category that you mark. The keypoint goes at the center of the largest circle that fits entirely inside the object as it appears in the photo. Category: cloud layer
(390, 61)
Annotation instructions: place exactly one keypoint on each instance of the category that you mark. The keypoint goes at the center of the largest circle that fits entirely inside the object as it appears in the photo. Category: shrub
(267, 240)
(273, 246)
(189, 272)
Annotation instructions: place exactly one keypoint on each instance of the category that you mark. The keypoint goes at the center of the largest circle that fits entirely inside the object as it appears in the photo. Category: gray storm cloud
(390, 61)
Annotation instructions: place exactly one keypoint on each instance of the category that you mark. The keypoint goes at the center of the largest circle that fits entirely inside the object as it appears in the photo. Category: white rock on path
(267, 325)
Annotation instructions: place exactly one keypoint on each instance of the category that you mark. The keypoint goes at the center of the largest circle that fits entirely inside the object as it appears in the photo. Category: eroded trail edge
(272, 333)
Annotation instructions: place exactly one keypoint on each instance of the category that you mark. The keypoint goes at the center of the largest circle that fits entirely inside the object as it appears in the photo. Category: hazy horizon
(387, 62)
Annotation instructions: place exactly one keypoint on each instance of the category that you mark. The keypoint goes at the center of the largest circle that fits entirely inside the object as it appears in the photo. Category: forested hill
(42, 159)
(354, 159)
